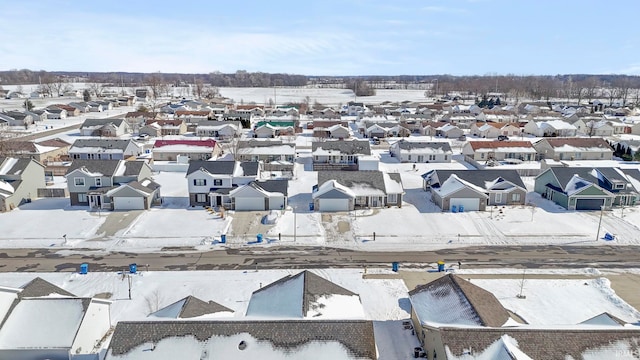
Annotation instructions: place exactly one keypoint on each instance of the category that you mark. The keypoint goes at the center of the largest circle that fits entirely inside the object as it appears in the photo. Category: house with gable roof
(593, 148)
(112, 185)
(104, 127)
(170, 150)
(551, 128)
(486, 151)
(192, 307)
(305, 296)
(105, 149)
(349, 190)
(46, 150)
(260, 195)
(587, 188)
(474, 190)
(20, 180)
(339, 155)
(60, 325)
(210, 182)
(421, 151)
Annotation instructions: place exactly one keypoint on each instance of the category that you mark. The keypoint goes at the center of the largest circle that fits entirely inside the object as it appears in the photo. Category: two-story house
(20, 180)
(210, 182)
(112, 184)
(105, 149)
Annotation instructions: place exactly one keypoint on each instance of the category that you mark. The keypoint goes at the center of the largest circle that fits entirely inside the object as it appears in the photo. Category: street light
(600, 222)
(295, 227)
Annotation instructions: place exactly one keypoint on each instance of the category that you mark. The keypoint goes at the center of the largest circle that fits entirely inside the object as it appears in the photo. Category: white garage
(333, 205)
(128, 203)
(249, 203)
(468, 204)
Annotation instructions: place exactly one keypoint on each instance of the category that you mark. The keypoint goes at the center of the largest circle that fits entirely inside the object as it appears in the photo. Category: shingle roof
(18, 166)
(499, 144)
(39, 287)
(487, 307)
(408, 145)
(594, 142)
(214, 167)
(476, 177)
(566, 174)
(194, 307)
(105, 167)
(314, 287)
(350, 147)
(372, 178)
(259, 143)
(101, 122)
(103, 143)
(250, 168)
(548, 344)
(132, 168)
(356, 336)
(277, 186)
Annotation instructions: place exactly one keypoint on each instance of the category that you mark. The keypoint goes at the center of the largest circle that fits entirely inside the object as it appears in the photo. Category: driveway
(116, 221)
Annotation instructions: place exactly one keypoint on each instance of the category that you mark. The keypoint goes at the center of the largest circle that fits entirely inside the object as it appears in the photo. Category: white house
(421, 152)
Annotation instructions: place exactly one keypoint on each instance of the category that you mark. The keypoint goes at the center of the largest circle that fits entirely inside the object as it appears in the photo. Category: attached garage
(589, 204)
(469, 204)
(128, 203)
(249, 203)
(333, 205)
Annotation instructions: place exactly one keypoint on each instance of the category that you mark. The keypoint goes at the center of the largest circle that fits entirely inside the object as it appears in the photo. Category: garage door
(589, 204)
(469, 204)
(334, 204)
(128, 203)
(249, 204)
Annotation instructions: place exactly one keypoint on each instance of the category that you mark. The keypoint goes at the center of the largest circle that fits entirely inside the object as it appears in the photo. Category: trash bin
(440, 266)
(454, 208)
(133, 268)
(609, 237)
(416, 352)
(394, 266)
(84, 268)
(460, 208)
(223, 238)
(259, 238)
(310, 206)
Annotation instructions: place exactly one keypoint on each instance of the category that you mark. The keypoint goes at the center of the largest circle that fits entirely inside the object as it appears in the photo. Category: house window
(82, 198)
(217, 182)
(201, 198)
(619, 186)
(498, 198)
(78, 181)
(200, 182)
(515, 197)
(98, 181)
(601, 155)
(392, 198)
(409, 157)
(578, 155)
(481, 155)
(446, 157)
(432, 157)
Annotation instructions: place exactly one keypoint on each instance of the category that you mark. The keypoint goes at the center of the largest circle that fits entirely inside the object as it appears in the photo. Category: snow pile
(505, 348)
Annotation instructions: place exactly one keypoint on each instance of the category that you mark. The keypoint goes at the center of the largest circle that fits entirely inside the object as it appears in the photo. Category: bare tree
(198, 87)
(96, 88)
(155, 85)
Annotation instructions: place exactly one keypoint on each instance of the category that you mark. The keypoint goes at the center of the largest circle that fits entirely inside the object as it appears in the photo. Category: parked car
(375, 140)
(503, 137)
(143, 136)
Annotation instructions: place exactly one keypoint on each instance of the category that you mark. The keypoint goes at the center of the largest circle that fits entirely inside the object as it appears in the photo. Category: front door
(95, 201)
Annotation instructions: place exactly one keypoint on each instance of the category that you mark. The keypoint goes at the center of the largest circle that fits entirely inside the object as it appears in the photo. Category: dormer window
(98, 181)
(619, 186)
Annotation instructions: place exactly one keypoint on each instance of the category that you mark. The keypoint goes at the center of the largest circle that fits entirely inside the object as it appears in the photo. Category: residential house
(105, 149)
(594, 148)
(474, 190)
(20, 180)
(335, 131)
(497, 116)
(260, 195)
(429, 128)
(587, 188)
(142, 95)
(338, 155)
(60, 325)
(421, 152)
(388, 129)
(210, 182)
(599, 128)
(491, 130)
(220, 130)
(274, 154)
(171, 150)
(95, 106)
(244, 340)
(305, 298)
(551, 128)
(355, 108)
(43, 151)
(192, 307)
(487, 151)
(70, 111)
(81, 106)
(449, 131)
(112, 185)
(169, 127)
(104, 127)
(349, 190)
(54, 112)
(461, 120)
(17, 118)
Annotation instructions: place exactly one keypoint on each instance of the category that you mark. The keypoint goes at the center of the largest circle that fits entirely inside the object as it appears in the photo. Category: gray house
(20, 180)
(421, 152)
(210, 182)
(349, 190)
(260, 195)
(473, 190)
(338, 154)
(112, 184)
(106, 149)
(276, 155)
(104, 127)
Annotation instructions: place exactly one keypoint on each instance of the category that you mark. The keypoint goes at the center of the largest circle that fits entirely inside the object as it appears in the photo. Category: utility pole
(295, 226)
(600, 222)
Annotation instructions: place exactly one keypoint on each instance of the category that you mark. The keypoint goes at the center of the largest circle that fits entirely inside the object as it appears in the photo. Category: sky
(327, 37)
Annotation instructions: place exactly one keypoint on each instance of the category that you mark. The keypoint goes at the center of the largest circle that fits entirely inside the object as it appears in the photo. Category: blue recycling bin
(223, 238)
(133, 268)
(394, 266)
(310, 206)
(460, 208)
(84, 268)
(440, 266)
(259, 238)
(609, 237)
(454, 208)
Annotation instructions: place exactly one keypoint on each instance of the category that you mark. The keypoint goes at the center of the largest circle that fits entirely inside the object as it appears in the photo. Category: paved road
(316, 257)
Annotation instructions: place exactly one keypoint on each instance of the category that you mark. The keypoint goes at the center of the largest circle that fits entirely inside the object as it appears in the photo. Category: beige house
(482, 151)
(594, 148)
(20, 180)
